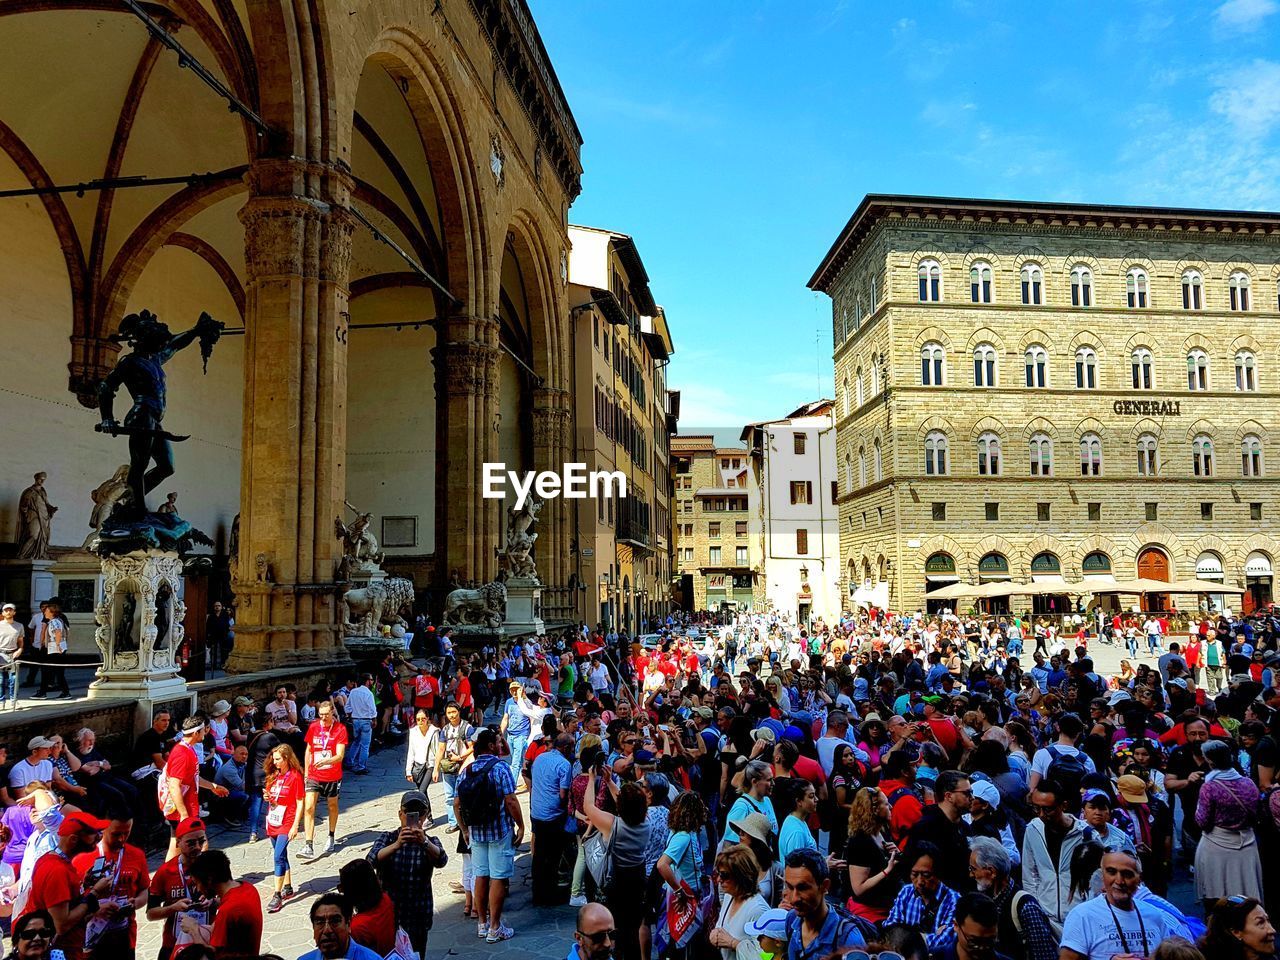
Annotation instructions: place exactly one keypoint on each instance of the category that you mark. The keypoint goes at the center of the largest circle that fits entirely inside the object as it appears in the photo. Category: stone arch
(1135, 258)
(1145, 425)
(988, 425)
(295, 73)
(1040, 425)
(981, 252)
(1212, 543)
(1239, 263)
(549, 340)
(985, 335)
(935, 422)
(1198, 263)
(1077, 257)
(932, 335)
(1140, 338)
(1245, 342)
(1199, 341)
(1035, 336)
(1089, 425)
(993, 543)
(1258, 542)
(1251, 427)
(1032, 254)
(941, 543)
(1202, 426)
(1094, 543)
(927, 254)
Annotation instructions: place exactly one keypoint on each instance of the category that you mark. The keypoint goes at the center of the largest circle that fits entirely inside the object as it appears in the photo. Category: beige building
(621, 348)
(360, 376)
(1031, 390)
(718, 558)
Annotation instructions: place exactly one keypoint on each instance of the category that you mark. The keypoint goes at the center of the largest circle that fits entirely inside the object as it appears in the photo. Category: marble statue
(105, 497)
(141, 373)
(35, 521)
(483, 606)
(373, 605)
(516, 557)
(359, 545)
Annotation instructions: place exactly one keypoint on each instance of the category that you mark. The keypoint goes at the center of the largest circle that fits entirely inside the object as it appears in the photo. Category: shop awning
(873, 596)
(1203, 586)
(1140, 585)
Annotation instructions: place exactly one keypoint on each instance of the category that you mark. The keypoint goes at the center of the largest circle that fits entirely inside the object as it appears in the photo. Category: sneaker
(307, 850)
(332, 845)
(503, 932)
(287, 892)
(362, 773)
(39, 696)
(275, 903)
(482, 929)
(253, 838)
(55, 696)
(578, 900)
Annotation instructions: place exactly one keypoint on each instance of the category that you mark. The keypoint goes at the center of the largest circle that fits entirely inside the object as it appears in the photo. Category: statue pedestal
(524, 607)
(140, 627)
(26, 583)
(361, 575)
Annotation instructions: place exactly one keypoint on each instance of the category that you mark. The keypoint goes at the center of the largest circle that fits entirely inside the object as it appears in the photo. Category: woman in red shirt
(284, 793)
(374, 923)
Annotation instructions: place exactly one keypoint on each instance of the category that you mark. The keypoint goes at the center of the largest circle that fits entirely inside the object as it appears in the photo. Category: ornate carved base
(140, 626)
(524, 607)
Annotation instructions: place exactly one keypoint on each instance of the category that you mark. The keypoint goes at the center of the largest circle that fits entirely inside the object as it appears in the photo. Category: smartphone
(413, 819)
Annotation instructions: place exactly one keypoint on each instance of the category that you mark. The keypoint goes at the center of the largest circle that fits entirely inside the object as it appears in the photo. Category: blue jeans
(9, 683)
(280, 854)
(361, 734)
(519, 743)
(255, 811)
(450, 781)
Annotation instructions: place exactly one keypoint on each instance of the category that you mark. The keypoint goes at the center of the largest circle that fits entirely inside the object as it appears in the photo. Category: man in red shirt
(425, 688)
(125, 866)
(172, 893)
(326, 746)
(181, 781)
(236, 933)
(55, 885)
(898, 779)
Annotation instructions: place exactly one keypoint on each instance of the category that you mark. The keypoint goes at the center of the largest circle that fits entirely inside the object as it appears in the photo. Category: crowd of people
(887, 784)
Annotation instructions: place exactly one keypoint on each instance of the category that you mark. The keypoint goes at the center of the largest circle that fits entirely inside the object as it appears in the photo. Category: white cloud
(1249, 97)
(1244, 14)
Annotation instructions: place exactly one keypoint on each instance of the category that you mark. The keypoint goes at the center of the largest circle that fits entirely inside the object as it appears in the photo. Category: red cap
(75, 822)
(190, 825)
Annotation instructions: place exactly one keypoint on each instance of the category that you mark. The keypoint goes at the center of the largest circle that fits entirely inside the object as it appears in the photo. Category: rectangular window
(1042, 512)
(740, 556)
(713, 530)
(802, 542)
(801, 491)
(993, 511)
(1206, 510)
(1153, 510)
(798, 440)
(835, 490)
(1095, 511)
(715, 556)
(1255, 511)
(939, 510)
(740, 528)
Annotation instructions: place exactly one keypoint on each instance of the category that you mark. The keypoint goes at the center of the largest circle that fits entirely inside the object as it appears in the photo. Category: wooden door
(195, 592)
(1153, 565)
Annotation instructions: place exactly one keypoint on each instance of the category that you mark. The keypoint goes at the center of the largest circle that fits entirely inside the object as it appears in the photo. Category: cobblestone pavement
(369, 806)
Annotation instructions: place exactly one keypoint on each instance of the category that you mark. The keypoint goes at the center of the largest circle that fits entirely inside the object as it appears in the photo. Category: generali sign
(1147, 408)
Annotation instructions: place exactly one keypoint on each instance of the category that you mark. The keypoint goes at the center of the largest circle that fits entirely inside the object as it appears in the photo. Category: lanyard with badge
(97, 926)
(324, 753)
(201, 917)
(275, 815)
(1142, 929)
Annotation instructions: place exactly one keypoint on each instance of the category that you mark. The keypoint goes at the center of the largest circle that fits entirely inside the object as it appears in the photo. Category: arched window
(1086, 369)
(1192, 290)
(1136, 288)
(877, 461)
(1041, 455)
(1142, 376)
(873, 295)
(1197, 370)
(1202, 456)
(862, 466)
(984, 366)
(1148, 456)
(1032, 284)
(1246, 371)
(844, 322)
(989, 455)
(875, 375)
(932, 363)
(1037, 362)
(848, 473)
(844, 402)
(1090, 455)
(935, 454)
(1081, 286)
(980, 282)
(857, 388)
(1251, 456)
(930, 275)
(857, 313)
(1238, 288)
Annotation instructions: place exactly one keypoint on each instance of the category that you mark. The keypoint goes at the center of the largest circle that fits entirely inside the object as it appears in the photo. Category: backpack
(1068, 769)
(1015, 904)
(480, 692)
(846, 922)
(479, 800)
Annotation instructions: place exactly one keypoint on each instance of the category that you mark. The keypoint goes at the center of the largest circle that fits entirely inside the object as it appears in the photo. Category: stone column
(294, 438)
(467, 373)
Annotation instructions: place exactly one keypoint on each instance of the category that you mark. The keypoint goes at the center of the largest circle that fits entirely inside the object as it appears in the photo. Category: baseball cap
(244, 701)
(706, 713)
(189, 825)
(1132, 788)
(413, 798)
(1091, 795)
(75, 822)
(771, 923)
(9, 606)
(39, 743)
(986, 790)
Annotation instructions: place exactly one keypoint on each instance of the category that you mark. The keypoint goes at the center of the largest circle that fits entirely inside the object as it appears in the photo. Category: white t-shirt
(10, 637)
(22, 772)
(1041, 761)
(1091, 930)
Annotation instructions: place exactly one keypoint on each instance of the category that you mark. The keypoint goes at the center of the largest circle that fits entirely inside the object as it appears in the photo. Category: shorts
(468, 874)
(324, 790)
(494, 859)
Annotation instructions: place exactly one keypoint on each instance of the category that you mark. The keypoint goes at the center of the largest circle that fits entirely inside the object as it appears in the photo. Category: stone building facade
(716, 518)
(622, 343)
(1028, 390)
(357, 378)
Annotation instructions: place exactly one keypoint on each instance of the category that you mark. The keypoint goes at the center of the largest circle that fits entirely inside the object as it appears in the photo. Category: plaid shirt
(1037, 940)
(908, 908)
(406, 876)
(500, 774)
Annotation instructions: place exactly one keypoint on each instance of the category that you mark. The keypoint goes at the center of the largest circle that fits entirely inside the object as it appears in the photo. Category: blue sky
(734, 139)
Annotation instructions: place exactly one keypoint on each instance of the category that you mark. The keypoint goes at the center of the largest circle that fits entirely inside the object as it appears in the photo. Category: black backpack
(1067, 768)
(479, 800)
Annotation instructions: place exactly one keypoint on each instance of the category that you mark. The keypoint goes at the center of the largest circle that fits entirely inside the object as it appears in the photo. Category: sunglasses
(31, 933)
(600, 936)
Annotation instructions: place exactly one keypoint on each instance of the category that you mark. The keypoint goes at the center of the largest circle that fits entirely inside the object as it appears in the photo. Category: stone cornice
(518, 50)
(1036, 218)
